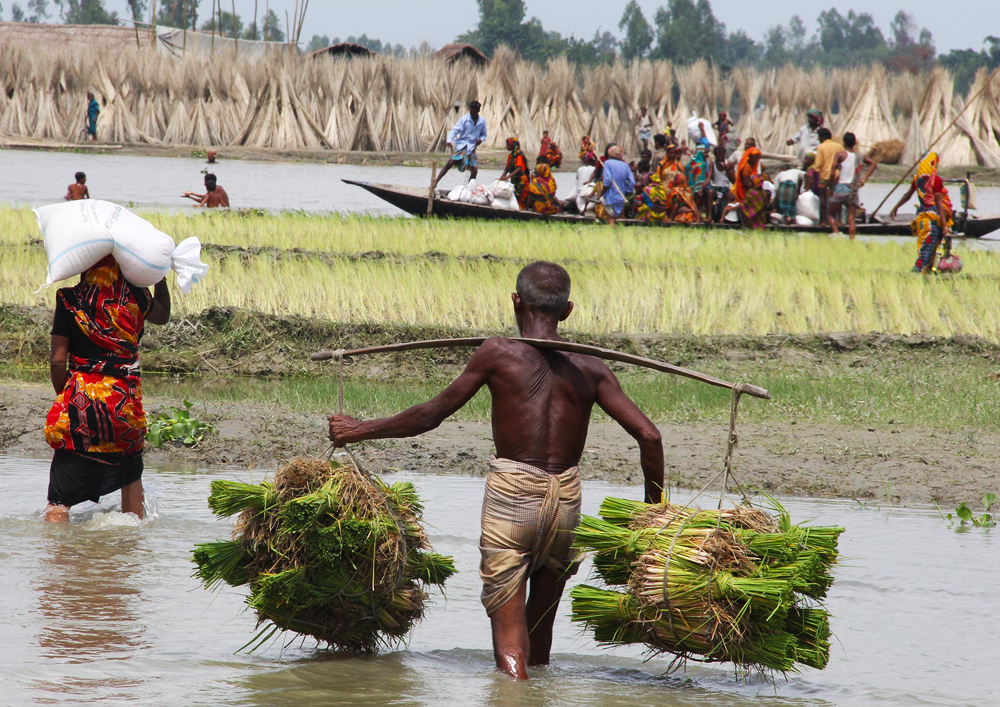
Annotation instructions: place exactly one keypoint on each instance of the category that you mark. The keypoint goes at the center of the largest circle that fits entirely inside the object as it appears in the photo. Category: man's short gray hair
(544, 286)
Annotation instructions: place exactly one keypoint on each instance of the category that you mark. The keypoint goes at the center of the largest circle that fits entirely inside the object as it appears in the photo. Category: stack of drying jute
(328, 551)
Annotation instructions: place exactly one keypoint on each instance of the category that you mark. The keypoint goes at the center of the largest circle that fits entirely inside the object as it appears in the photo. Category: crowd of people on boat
(709, 181)
(708, 175)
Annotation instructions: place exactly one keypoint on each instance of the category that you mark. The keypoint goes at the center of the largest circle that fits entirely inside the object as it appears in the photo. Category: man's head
(90, 96)
(643, 109)
(720, 153)
(615, 152)
(824, 134)
(660, 141)
(542, 292)
(646, 155)
(81, 178)
(210, 181)
(474, 109)
(815, 118)
(850, 141)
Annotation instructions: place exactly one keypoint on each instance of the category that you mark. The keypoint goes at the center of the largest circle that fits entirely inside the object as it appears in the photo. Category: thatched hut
(350, 50)
(455, 52)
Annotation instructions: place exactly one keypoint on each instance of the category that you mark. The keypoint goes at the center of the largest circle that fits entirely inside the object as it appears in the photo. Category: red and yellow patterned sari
(543, 191)
(100, 407)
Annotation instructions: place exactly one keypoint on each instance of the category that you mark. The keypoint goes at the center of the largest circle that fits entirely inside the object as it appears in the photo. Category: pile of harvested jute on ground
(736, 585)
(327, 551)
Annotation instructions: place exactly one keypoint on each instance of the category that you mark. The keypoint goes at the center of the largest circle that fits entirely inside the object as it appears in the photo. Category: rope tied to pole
(734, 440)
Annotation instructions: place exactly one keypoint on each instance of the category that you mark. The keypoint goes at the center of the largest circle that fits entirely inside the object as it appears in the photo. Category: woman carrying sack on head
(97, 425)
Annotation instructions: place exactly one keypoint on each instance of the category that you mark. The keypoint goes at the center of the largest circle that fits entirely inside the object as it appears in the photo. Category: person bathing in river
(463, 139)
(214, 196)
(541, 407)
(97, 426)
(78, 189)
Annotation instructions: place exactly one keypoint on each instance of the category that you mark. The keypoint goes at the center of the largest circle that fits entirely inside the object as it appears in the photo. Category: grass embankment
(405, 272)
(848, 380)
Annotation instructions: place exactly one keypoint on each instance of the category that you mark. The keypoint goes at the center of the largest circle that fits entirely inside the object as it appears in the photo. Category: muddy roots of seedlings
(738, 585)
(327, 551)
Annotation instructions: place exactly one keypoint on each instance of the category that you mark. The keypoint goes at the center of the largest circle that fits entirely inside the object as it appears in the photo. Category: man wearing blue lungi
(463, 139)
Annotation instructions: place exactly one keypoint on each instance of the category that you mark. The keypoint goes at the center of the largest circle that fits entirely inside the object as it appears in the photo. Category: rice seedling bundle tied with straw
(327, 551)
(735, 585)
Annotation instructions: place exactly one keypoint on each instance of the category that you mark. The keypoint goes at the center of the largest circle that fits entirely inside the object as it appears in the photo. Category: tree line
(681, 31)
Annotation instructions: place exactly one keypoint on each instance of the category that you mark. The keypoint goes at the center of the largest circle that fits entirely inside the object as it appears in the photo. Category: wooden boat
(413, 200)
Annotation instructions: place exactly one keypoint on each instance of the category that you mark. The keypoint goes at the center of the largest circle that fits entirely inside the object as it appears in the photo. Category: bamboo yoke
(738, 389)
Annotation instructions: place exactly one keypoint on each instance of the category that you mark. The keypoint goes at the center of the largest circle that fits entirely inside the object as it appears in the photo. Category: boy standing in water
(542, 402)
(78, 190)
(214, 196)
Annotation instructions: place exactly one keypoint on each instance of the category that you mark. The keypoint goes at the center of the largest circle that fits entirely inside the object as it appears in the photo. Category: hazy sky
(963, 24)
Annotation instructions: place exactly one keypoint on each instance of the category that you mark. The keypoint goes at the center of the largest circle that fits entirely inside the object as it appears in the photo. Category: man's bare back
(541, 402)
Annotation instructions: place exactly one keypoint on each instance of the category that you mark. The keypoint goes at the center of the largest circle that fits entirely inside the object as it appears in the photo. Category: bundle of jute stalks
(738, 585)
(326, 550)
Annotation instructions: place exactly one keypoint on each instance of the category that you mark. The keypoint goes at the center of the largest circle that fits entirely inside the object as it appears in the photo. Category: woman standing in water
(97, 426)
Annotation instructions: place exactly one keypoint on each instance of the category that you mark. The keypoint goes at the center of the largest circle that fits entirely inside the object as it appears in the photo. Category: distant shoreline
(490, 159)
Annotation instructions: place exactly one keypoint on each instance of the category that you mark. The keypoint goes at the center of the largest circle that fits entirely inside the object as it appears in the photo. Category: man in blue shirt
(93, 110)
(619, 183)
(463, 139)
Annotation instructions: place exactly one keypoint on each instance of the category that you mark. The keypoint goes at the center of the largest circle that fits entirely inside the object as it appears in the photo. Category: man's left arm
(612, 399)
(425, 416)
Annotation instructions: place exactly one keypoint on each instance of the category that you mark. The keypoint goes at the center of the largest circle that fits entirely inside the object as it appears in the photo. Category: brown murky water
(104, 611)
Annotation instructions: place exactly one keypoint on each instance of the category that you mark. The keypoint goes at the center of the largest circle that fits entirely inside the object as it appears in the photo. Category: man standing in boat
(463, 139)
(542, 401)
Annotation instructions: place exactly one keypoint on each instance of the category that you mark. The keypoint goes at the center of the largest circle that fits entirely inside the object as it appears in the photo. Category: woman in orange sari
(587, 145)
(97, 426)
(542, 191)
(517, 171)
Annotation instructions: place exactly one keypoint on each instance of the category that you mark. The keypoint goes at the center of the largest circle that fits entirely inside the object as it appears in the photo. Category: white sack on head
(78, 234)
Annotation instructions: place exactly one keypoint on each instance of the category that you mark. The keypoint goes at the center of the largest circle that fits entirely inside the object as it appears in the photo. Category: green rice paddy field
(457, 274)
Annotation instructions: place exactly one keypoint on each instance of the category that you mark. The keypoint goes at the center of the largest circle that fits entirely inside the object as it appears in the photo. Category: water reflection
(89, 604)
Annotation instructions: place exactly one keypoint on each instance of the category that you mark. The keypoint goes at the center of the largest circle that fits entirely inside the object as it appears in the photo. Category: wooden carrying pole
(954, 120)
(430, 190)
(606, 354)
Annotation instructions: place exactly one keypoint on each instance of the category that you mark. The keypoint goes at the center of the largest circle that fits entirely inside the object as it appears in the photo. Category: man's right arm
(612, 400)
(425, 416)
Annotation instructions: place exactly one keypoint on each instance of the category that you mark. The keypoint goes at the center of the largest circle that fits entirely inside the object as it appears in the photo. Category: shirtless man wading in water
(542, 402)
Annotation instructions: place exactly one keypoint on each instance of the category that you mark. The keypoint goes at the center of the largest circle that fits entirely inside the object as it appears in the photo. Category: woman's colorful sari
(753, 207)
(655, 202)
(587, 145)
(543, 191)
(100, 407)
(668, 202)
(927, 224)
(744, 168)
(517, 161)
(696, 171)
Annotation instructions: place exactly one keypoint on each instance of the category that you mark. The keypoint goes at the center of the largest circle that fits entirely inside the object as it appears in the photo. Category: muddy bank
(896, 464)
(490, 159)
(230, 341)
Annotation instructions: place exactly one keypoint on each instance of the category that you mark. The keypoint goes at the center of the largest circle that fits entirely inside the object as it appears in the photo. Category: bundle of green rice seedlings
(327, 551)
(737, 584)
